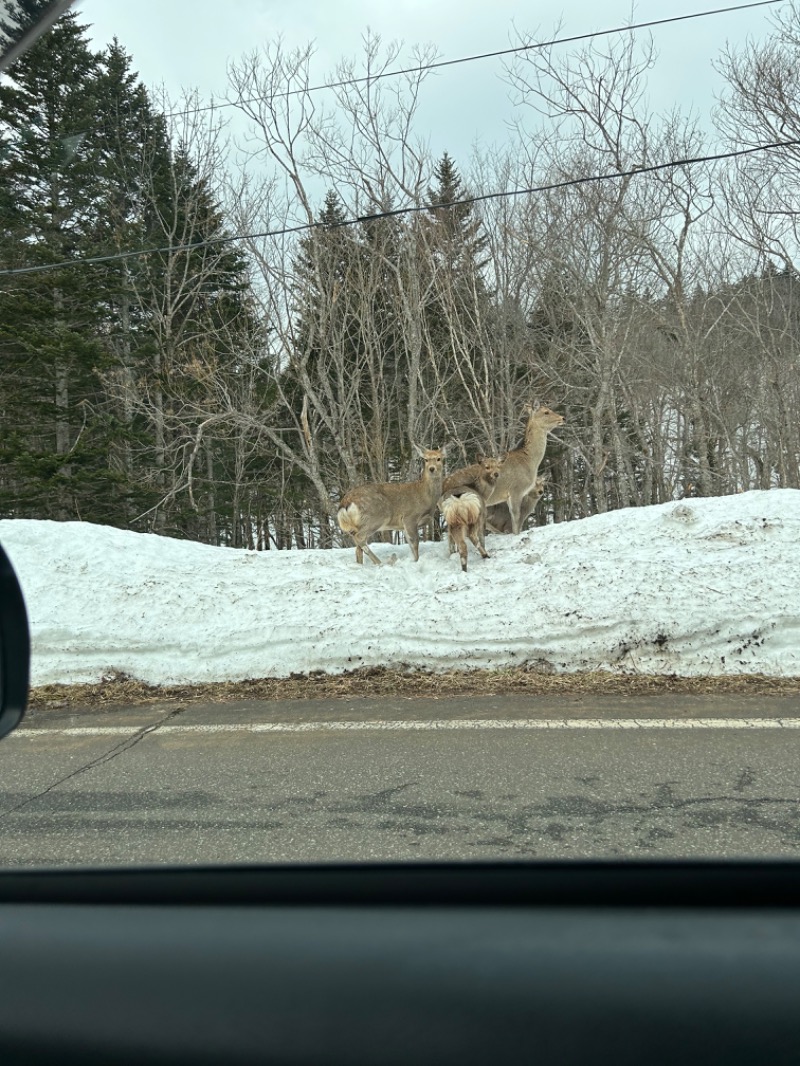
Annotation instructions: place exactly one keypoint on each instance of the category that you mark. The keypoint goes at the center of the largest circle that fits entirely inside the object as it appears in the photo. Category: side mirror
(15, 649)
(20, 27)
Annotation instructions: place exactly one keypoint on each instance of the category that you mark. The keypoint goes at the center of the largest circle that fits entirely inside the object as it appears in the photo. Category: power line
(395, 213)
(536, 46)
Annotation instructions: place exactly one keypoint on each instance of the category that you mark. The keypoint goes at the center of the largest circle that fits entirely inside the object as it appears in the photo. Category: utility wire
(433, 66)
(444, 63)
(413, 209)
(438, 64)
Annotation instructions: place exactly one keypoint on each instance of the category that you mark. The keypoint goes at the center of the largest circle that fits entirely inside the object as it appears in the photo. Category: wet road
(463, 778)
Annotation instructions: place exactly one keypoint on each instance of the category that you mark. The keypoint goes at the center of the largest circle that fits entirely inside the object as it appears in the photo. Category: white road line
(424, 726)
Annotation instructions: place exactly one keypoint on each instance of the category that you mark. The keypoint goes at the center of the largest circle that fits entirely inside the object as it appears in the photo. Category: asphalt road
(463, 778)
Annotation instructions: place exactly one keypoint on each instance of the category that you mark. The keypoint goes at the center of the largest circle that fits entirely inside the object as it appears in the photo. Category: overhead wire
(397, 212)
(539, 45)
(444, 63)
(440, 63)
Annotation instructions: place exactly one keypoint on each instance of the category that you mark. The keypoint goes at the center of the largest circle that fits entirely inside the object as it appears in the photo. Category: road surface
(461, 778)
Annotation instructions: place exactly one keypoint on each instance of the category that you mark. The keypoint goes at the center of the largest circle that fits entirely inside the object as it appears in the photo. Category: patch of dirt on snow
(375, 681)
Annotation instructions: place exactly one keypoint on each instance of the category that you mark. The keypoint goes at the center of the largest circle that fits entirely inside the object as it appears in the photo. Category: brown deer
(521, 466)
(498, 516)
(372, 508)
(463, 505)
(485, 470)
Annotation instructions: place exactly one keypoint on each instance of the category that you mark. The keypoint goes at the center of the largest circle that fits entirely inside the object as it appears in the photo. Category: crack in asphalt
(118, 749)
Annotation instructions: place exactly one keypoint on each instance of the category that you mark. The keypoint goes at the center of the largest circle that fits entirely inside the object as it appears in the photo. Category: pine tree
(459, 243)
(325, 329)
(98, 362)
(321, 269)
(132, 144)
(48, 321)
(385, 393)
(345, 363)
(458, 311)
(197, 315)
(26, 14)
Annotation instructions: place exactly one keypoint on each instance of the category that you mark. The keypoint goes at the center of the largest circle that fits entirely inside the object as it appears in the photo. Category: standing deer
(463, 505)
(484, 470)
(498, 516)
(521, 466)
(372, 508)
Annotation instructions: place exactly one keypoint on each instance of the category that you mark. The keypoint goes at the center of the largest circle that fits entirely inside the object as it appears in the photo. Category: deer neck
(535, 440)
(433, 483)
(484, 487)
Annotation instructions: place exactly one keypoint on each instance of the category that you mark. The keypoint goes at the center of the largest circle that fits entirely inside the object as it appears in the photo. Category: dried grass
(372, 682)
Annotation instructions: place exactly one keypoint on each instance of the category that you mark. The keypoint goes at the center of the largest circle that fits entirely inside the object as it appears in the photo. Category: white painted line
(425, 726)
(80, 731)
(455, 724)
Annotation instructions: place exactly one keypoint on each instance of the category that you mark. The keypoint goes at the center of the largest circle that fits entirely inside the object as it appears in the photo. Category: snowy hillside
(698, 587)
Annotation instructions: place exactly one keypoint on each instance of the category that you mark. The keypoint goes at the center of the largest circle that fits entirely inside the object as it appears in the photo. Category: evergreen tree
(321, 269)
(197, 317)
(103, 368)
(459, 245)
(49, 321)
(132, 146)
(385, 392)
(326, 331)
(458, 312)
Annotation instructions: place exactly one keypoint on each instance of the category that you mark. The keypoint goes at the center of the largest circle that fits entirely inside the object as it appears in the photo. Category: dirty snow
(695, 587)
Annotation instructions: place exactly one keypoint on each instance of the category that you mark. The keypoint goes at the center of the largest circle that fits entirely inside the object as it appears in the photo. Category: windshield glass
(400, 433)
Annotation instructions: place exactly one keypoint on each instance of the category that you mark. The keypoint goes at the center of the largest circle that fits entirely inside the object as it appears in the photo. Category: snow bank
(697, 587)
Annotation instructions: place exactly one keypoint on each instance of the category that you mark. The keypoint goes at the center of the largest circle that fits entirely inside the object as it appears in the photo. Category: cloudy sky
(188, 43)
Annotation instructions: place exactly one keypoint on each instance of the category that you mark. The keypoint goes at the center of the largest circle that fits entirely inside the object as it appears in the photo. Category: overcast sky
(188, 43)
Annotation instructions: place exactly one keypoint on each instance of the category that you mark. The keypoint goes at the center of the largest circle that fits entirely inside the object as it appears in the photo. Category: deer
(484, 470)
(392, 505)
(498, 516)
(521, 466)
(463, 505)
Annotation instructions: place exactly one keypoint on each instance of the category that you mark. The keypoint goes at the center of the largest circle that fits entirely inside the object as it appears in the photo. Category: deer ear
(479, 458)
(444, 448)
(420, 451)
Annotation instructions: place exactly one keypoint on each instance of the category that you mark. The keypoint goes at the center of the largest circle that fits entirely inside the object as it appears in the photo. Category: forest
(198, 340)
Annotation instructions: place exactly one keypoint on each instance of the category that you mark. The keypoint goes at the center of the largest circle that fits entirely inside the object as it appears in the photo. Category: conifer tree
(48, 321)
(457, 312)
(459, 244)
(105, 369)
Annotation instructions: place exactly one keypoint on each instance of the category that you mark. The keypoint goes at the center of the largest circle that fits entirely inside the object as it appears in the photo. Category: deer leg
(372, 555)
(364, 547)
(500, 522)
(525, 511)
(462, 551)
(451, 544)
(412, 536)
(460, 544)
(515, 507)
(474, 536)
(481, 532)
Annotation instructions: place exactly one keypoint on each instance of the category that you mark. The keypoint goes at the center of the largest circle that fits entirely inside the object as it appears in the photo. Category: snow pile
(698, 587)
